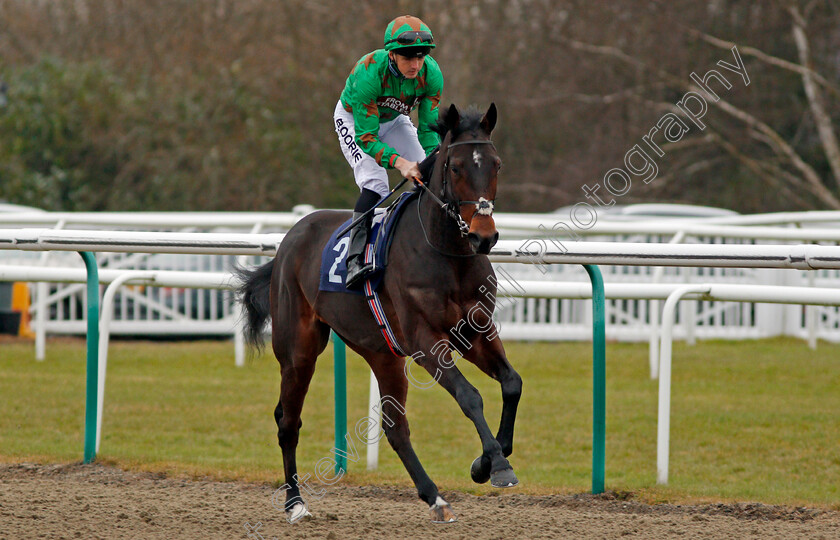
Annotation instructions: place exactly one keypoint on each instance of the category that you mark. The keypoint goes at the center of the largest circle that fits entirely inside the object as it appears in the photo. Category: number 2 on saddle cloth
(334, 263)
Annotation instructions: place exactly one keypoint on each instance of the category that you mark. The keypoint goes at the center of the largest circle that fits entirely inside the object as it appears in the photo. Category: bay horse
(438, 274)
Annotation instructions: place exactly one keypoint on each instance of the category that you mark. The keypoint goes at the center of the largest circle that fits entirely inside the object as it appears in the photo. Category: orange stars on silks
(378, 156)
(435, 99)
(368, 138)
(368, 61)
(421, 81)
(385, 80)
(412, 22)
(371, 109)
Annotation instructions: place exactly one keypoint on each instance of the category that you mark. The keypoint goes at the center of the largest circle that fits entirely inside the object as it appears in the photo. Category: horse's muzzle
(483, 234)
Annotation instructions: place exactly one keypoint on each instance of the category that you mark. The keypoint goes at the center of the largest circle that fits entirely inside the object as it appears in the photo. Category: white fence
(802, 257)
(57, 308)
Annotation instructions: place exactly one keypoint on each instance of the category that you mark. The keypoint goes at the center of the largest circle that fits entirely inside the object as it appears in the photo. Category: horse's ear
(452, 118)
(488, 122)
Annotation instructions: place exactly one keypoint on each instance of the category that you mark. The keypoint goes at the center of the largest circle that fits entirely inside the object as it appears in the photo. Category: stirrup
(356, 277)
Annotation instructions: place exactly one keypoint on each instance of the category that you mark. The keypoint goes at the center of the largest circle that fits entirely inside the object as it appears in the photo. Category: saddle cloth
(334, 257)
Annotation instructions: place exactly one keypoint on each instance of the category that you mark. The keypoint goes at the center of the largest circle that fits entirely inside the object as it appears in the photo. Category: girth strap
(378, 312)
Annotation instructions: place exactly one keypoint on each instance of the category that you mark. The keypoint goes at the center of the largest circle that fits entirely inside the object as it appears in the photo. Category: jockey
(373, 127)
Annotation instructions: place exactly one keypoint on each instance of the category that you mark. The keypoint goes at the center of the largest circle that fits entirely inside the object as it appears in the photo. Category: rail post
(340, 376)
(92, 384)
(599, 415)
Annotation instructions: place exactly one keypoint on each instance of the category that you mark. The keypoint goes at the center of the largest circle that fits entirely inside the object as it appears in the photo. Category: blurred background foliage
(227, 105)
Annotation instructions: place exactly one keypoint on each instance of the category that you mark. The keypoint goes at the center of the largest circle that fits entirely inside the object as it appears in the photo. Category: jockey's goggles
(411, 37)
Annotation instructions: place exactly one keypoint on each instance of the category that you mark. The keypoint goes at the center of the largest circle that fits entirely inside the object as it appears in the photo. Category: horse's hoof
(441, 512)
(480, 470)
(297, 513)
(503, 479)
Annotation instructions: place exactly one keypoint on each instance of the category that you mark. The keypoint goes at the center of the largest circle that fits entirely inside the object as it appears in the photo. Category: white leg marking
(297, 512)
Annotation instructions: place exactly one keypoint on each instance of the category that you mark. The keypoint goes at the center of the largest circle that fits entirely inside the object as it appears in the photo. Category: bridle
(453, 206)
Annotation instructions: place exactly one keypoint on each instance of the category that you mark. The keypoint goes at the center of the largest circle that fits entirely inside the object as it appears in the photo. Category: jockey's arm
(428, 108)
(366, 119)
(367, 137)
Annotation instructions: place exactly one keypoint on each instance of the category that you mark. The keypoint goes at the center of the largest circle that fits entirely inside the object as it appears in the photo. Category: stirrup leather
(357, 270)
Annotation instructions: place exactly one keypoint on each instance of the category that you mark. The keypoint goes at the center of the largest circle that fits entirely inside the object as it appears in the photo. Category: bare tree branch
(809, 7)
(821, 117)
(814, 182)
(775, 169)
(702, 165)
(633, 93)
(759, 170)
(764, 57)
(698, 166)
(690, 142)
(621, 55)
(771, 138)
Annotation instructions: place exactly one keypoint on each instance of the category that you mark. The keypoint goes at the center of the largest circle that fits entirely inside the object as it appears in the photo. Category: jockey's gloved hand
(408, 169)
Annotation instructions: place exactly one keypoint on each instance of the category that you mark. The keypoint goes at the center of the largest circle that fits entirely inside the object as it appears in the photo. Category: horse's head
(469, 172)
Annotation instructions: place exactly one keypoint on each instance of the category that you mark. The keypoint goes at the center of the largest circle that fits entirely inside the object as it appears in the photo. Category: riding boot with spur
(357, 270)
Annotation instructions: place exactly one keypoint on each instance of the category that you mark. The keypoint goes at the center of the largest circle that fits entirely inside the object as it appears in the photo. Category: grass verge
(751, 420)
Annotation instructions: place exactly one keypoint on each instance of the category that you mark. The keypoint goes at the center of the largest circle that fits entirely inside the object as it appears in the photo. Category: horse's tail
(253, 294)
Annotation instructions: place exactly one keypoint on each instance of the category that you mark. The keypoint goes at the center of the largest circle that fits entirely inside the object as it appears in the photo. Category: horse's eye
(454, 170)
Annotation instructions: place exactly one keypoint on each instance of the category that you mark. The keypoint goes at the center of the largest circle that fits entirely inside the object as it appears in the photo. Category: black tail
(253, 294)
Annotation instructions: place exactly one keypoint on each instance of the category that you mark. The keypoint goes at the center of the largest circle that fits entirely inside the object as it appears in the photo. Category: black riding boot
(357, 270)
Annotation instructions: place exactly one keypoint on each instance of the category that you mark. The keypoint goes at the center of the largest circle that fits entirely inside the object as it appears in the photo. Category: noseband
(453, 207)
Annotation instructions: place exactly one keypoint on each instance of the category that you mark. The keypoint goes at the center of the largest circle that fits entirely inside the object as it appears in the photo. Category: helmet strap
(392, 66)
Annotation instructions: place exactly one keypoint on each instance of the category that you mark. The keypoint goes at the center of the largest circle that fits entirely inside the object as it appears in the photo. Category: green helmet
(408, 31)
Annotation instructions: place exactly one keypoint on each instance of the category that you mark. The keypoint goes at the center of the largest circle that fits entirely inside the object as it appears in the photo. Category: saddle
(333, 273)
(334, 256)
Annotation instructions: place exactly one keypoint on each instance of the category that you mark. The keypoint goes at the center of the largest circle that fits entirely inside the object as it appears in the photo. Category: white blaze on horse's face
(477, 158)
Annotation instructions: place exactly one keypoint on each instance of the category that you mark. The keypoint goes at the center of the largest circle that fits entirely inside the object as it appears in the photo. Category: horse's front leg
(450, 378)
(488, 354)
(393, 389)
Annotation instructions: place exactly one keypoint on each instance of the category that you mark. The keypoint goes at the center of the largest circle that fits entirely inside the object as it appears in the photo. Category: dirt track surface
(94, 501)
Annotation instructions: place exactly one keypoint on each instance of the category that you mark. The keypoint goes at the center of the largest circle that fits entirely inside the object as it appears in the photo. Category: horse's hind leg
(297, 338)
(393, 388)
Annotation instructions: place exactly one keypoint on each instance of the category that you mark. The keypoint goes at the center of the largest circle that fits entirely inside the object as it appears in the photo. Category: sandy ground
(95, 501)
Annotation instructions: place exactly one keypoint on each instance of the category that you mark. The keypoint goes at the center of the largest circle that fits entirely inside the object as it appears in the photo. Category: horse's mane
(469, 121)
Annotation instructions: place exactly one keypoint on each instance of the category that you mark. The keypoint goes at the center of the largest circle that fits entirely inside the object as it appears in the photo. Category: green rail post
(599, 420)
(92, 385)
(340, 375)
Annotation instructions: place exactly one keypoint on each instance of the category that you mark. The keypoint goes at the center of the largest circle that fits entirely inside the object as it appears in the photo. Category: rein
(483, 206)
(426, 236)
(463, 226)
